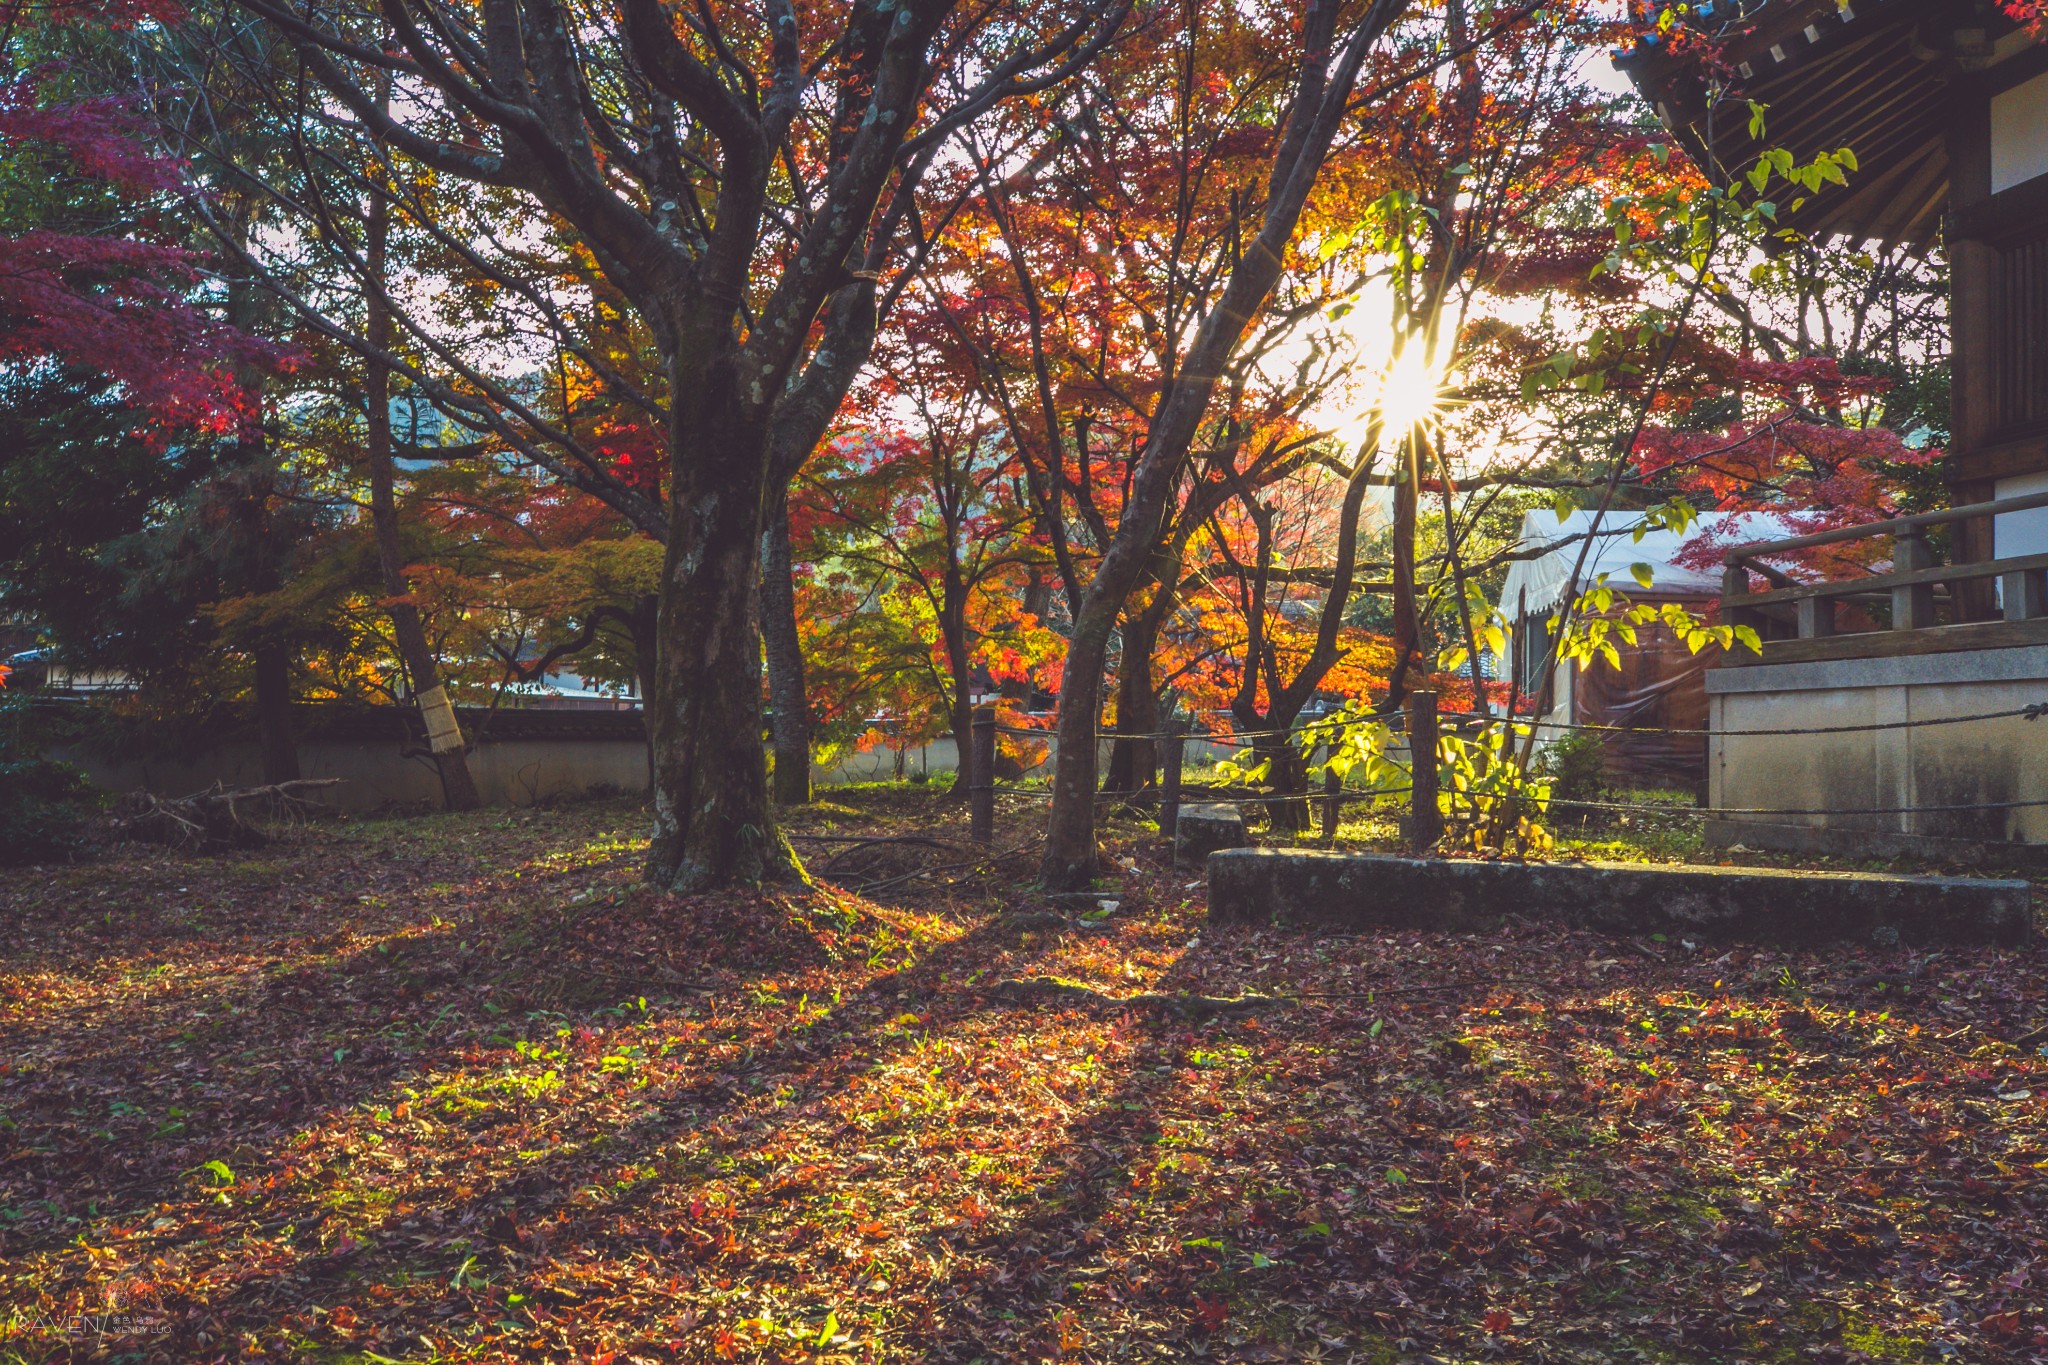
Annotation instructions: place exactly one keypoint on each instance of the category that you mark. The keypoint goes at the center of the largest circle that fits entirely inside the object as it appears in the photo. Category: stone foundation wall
(1969, 764)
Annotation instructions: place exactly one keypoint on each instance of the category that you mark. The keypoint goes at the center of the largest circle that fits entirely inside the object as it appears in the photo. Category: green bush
(1577, 768)
(43, 805)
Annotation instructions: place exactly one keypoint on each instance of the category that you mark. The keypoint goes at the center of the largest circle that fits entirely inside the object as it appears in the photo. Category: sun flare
(1393, 381)
(1411, 391)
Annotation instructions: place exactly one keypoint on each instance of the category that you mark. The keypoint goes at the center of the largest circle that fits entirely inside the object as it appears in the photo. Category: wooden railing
(1912, 585)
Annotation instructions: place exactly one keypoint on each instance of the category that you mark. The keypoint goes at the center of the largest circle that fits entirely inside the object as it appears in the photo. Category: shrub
(1577, 768)
(43, 805)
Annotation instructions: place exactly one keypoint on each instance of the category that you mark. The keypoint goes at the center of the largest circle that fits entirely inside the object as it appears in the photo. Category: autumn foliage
(117, 303)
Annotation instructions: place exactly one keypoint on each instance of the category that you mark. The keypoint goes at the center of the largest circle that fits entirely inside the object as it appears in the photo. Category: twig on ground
(221, 817)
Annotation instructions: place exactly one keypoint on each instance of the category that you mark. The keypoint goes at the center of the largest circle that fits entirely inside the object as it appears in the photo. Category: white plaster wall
(942, 757)
(2021, 533)
(374, 775)
(2019, 133)
(508, 772)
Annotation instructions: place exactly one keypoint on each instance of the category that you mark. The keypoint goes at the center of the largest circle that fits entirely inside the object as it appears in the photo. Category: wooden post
(981, 777)
(1175, 746)
(1425, 821)
(1333, 801)
(1912, 605)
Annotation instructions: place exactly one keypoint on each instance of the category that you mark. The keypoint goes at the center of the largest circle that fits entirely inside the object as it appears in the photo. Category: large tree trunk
(1069, 861)
(714, 823)
(1287, 774)
(788, 699)
(444, 732)
(252, 460)
(953, 638)
(1134, 762)
(274, 712)
(1407, 616)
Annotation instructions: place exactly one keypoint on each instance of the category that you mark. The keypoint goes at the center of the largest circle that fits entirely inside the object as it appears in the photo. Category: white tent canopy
(1534, 585)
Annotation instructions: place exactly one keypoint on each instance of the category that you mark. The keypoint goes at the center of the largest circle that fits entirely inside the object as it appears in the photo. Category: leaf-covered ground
(452, 1088)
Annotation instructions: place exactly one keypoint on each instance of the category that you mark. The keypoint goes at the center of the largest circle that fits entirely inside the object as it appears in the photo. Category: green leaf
(1643, 574)
(831, 1330)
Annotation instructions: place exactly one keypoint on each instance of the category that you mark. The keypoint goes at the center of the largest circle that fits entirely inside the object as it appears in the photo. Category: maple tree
(741, 184)
(1284, 662)
(1498, 198)
(1106, 260)
(1813, 391)
(93, 273)
(1188, 391)
(932, 510)
(99, 276)
(1229, 245)
(1081, 321)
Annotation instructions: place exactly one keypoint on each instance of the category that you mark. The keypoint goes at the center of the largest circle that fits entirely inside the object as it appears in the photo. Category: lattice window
(2020, 349)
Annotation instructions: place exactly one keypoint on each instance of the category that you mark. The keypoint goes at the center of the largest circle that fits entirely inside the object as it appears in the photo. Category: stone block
(1383, 891)
(1202, 830)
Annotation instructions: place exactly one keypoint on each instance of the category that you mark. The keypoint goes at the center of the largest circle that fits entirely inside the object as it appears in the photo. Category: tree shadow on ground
(1472, 1144)
(494, 1222)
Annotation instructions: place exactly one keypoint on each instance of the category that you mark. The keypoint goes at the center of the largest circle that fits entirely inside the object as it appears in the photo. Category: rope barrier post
(1332, 802)
(981, 776)
(1425, 821)
(1174, 745)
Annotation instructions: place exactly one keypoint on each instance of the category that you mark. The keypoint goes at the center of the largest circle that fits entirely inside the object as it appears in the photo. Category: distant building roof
(1536, 584)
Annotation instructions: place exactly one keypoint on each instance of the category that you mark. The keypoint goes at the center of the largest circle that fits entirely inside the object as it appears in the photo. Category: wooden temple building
(1844, 735)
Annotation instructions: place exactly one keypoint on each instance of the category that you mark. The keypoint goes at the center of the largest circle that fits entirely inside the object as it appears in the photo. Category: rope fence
(2033, 711)
(1712, 812)
(1241, 739)
(1426, 817)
